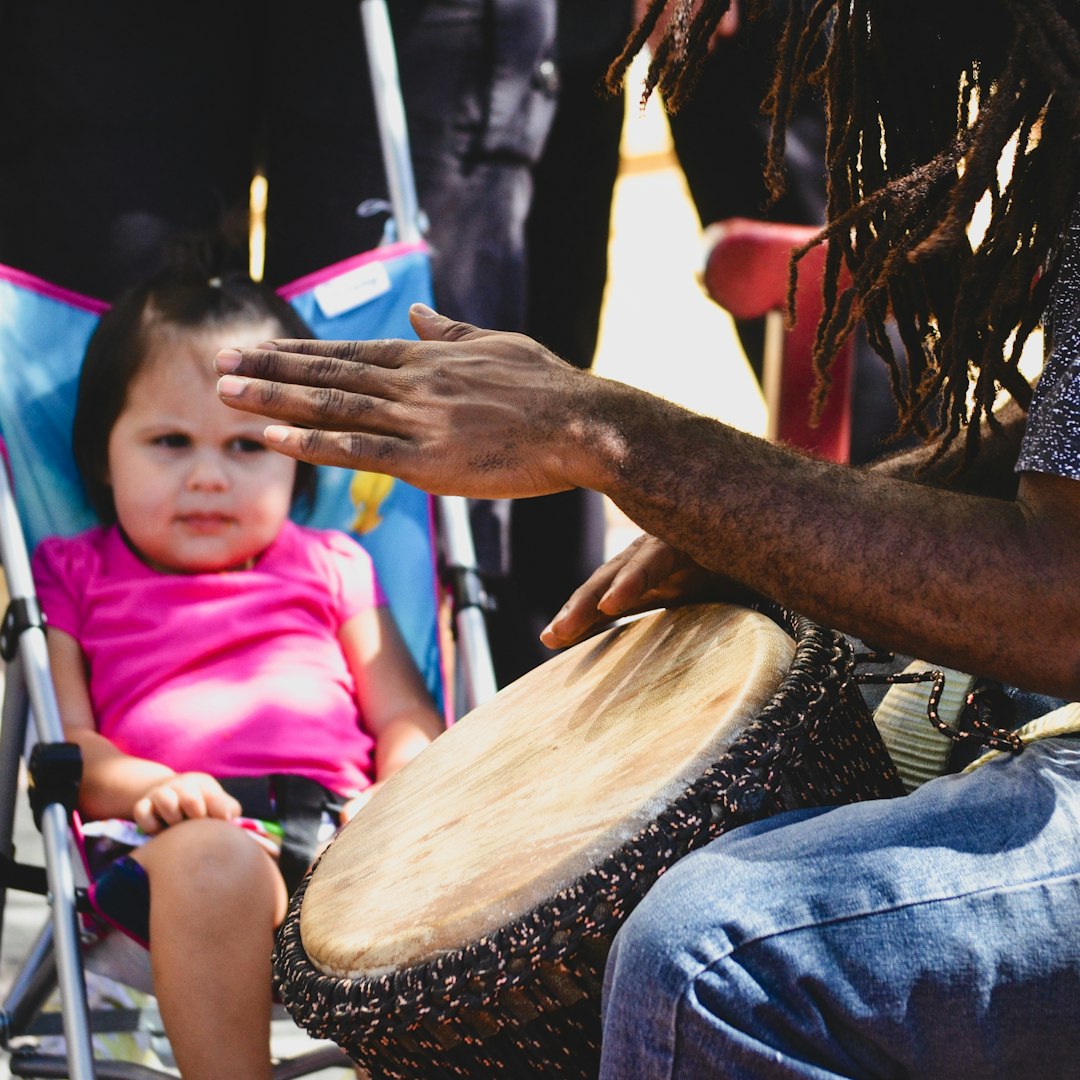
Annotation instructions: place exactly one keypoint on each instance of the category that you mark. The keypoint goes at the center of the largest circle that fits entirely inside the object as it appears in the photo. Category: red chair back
(746, 273)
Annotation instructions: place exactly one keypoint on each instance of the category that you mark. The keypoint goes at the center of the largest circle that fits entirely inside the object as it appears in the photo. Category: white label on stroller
(353, 288)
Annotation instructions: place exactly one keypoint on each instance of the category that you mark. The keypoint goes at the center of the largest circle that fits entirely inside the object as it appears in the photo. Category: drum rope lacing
(812, 743)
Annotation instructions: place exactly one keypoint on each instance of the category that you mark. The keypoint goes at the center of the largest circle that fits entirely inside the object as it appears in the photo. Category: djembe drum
(459, 925)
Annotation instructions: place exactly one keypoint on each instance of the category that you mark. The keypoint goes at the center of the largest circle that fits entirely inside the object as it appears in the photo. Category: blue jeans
(936, 935)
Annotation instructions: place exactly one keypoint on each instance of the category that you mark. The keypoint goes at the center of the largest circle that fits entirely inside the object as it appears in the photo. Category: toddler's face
(196, 489)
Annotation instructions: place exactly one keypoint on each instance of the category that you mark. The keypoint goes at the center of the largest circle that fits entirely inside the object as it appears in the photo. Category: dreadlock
(933, 106)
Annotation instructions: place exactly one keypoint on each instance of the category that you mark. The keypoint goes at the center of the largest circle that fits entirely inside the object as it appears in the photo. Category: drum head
(528, 792)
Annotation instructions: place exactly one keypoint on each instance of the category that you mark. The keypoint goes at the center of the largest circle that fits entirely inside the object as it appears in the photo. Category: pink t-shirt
(234, 674)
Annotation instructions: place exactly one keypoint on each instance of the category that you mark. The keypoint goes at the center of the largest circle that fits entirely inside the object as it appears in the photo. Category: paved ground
(24, 913)
(659, 332)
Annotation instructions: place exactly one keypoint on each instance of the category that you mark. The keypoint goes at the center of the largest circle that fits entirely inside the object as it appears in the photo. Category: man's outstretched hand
(462, 411)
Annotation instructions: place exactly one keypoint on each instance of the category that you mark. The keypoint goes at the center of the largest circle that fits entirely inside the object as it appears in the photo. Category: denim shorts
(935, 936)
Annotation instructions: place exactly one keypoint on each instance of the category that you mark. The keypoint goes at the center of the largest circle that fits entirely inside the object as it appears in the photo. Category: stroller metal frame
(54, 768)
(475, 668)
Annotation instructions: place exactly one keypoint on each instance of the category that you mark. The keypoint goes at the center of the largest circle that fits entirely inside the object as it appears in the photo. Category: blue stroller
(422, 549)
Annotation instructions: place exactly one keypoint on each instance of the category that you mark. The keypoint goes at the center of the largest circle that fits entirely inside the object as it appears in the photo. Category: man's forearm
(980, 584)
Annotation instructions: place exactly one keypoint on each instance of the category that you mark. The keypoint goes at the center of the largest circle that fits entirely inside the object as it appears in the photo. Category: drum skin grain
(459, 926)
(529, 791)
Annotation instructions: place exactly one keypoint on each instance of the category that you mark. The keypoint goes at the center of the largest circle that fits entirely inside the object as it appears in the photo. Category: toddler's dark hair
(188, 294)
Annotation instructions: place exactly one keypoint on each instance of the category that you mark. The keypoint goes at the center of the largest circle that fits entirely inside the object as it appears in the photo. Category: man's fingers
(350, 450)
(647, 567)
(639, 578)
(431, 326)
(348, 365)
(310, 406)
(580, 614)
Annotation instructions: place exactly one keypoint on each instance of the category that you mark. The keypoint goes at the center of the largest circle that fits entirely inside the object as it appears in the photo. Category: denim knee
(930, 936)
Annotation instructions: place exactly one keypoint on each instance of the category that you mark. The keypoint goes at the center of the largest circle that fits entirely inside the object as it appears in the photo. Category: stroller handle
(390, 116)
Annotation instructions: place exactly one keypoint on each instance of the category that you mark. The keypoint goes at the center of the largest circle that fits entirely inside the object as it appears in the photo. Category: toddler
(215, 662)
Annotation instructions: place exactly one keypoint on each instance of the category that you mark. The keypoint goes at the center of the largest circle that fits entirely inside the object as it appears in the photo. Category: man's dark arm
(976, 583)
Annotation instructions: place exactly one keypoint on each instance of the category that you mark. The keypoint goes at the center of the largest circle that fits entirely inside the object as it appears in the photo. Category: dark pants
(556, 541)
(123, 123)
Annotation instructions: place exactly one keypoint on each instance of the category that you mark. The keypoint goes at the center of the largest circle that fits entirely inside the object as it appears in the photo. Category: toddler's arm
(116, 784)
(396, 706)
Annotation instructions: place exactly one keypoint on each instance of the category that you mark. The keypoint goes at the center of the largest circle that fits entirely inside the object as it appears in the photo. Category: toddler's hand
(182, 796)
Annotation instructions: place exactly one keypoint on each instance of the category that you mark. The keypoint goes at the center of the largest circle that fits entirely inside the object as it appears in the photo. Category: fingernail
(276, 434)
(230, 386)
(422, 310)
(227, 360)
(267, 346)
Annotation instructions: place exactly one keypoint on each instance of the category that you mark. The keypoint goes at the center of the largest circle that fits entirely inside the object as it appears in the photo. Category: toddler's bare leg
(216, 898)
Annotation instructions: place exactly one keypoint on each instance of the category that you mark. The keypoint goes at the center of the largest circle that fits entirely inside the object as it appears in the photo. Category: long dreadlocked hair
(932, 106)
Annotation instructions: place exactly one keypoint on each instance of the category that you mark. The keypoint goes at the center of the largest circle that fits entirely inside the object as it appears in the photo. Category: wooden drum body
(459, 925)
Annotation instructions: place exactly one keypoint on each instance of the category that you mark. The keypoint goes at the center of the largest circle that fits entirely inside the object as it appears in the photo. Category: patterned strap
(958, 707)
(1063, 721)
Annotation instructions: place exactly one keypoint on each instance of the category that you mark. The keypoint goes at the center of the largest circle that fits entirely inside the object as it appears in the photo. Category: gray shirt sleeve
(1052, 438)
